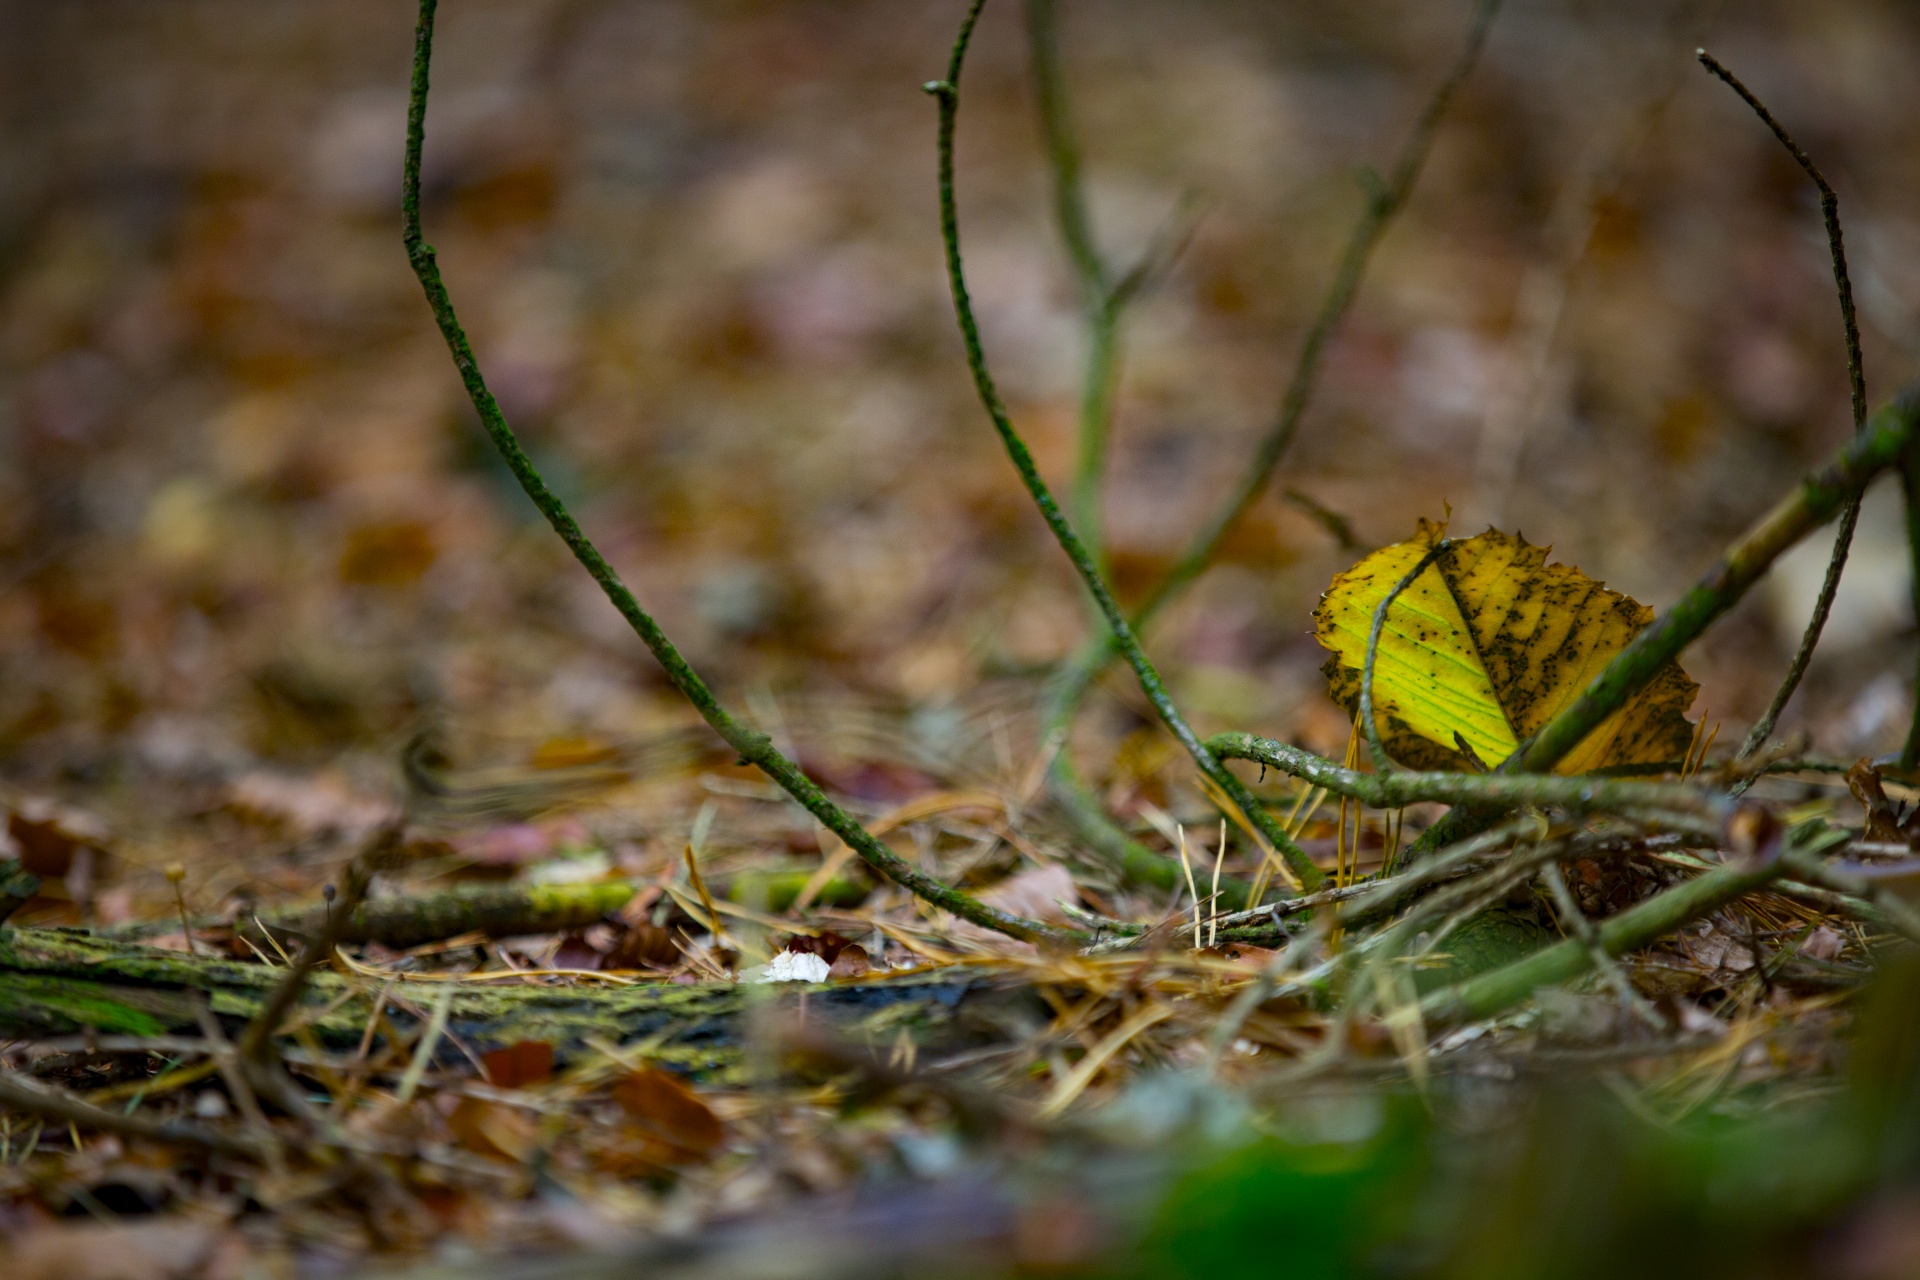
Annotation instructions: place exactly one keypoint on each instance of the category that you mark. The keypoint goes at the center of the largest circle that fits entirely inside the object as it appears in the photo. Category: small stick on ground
(177, 877)
(1576, 923)
(257, 1039)
(18, 1094)
(234, 1071)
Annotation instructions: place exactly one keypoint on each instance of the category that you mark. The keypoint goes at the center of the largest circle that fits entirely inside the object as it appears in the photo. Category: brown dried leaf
(49, 836)
(1036, 893)
(827, 945)
(852, 962)
(644, 946)
(1883, 824)
(670, 1123)
(522, 1063)
(494, 1129)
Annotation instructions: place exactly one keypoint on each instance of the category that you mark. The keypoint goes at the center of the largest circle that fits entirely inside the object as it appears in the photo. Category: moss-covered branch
(496, 910)
(1696, 809)
(56, 982)
(1636, 927)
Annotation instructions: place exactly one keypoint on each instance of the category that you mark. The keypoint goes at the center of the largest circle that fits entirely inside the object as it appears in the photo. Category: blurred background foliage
(243, 513)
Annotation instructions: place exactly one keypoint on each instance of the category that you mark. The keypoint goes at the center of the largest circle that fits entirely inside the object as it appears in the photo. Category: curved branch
(947, 94)
(755, 748)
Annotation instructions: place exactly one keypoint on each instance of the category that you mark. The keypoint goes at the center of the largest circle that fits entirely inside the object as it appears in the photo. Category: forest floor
(275, 628)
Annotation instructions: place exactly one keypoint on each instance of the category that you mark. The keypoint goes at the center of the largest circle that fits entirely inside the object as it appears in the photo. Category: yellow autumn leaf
(1489, 643)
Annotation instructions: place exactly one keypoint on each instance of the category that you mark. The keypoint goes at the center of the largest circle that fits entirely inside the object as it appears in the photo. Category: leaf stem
(1368, 724)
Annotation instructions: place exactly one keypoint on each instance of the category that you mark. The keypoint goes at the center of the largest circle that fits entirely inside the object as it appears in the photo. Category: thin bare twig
(1575, 921)
(256, 1040)
(1856, 392)
(1338, 527)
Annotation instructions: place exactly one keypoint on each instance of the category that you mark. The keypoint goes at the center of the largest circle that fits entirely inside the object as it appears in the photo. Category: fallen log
(65, 982)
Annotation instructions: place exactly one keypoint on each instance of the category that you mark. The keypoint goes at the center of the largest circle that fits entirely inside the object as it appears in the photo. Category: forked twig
(754, 747)
(947, 94)
(1384, 203)
(1385, 200)
(1856, 392)
(1103, 295)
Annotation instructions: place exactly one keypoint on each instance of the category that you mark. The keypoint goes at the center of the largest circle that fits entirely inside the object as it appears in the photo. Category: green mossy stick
(1636, 927)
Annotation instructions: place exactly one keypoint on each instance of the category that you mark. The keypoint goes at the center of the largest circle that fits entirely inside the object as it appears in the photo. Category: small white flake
(792, 966)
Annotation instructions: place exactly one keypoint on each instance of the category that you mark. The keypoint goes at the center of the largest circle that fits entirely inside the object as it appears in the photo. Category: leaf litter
(562, 1056)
